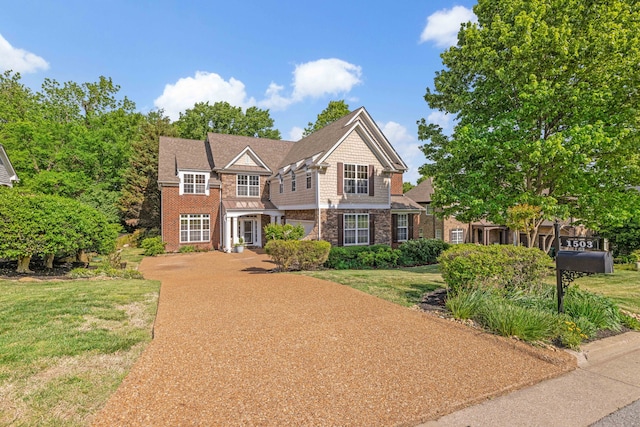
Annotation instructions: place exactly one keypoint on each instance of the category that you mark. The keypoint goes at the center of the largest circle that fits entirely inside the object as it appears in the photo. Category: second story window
(281, 182)
(356, 179)
(194, 183)
(293, 181)
(248, 185)
(308, 180)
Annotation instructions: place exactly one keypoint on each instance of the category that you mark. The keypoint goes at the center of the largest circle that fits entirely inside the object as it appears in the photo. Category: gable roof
(316, 147)
(422, 192)
(182, 154)
(227, 148)
(7, 174)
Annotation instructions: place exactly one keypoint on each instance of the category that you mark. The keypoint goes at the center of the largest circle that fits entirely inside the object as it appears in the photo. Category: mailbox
(585, 261)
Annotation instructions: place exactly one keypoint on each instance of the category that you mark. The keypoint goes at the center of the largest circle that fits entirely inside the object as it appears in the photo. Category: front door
(247, 230)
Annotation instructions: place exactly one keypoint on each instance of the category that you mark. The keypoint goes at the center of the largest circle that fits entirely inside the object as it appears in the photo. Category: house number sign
(580, 243)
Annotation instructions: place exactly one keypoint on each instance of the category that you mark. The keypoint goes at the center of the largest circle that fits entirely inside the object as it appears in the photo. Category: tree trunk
(83, 258)
(23, 264)
(49, 260)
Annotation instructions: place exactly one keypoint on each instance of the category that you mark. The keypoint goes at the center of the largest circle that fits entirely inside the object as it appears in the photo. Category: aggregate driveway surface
(235, 345)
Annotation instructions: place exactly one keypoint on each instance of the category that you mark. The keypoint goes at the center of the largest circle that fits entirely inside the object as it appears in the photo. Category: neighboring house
(482, 232)
(7, 174)
(342, 183)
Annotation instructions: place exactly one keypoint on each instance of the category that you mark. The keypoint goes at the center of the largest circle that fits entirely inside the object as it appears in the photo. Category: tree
(334, 111)
(222, 117)
(140, 198)
(406, 186)
(545, 96)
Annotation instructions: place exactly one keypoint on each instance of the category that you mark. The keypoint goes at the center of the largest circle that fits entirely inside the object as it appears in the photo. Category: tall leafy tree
(333, 112)
(222, 117)
(545, 93)
(140, 199)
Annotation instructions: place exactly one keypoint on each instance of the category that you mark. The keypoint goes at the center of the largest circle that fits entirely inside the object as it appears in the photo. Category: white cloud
(19, 60)
(444, 120)
(407, 147)
(313, 80)
(203, 87)
(295, 134)
(443, 26)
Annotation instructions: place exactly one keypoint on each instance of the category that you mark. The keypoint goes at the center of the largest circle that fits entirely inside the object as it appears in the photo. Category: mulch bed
(59, 270)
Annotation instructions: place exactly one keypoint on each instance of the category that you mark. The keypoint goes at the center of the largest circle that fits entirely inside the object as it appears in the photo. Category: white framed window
(356, 229)
(429, 209)
(457, 236)
(402, 231)
(281, 182)
(293, 181)
(248, 185)
(356, 179)
(194, 228)
(308, 180)
(438, 234)
(193, 183)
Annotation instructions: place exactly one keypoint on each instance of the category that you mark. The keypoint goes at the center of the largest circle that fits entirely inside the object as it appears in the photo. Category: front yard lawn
(404, 286)
(623, 287)
(65, 346)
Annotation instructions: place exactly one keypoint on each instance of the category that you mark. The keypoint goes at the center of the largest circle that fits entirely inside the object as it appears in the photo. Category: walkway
(235, 345)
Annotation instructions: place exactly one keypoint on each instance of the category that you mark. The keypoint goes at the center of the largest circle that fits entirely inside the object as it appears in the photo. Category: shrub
(421, 251)
(599, 310)
(359, 257)
(470, 266)
(187, 249)
(153, 246)
(283, 232)
(508, 320)
(465, 304)
(283, 253)
(312, 253)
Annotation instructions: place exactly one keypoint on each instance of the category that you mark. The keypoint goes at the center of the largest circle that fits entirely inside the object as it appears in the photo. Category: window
(248, 185)
(429, 209)
(356, 229)
(356, 179)
(194, 183)
(281, 182)
(439, 234)
(308, 180)
(293, 181)
(457, 236)
(194, 228)
(403, 227)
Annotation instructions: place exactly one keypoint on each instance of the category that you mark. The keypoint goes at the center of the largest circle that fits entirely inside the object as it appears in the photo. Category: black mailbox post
(576, 263)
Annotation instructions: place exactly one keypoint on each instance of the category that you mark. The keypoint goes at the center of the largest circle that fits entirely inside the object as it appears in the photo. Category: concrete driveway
(236, 345)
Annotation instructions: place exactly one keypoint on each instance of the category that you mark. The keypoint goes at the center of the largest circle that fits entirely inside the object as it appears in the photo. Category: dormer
(194, 182)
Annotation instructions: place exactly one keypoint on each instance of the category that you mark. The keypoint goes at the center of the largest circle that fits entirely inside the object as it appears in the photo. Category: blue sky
(292, 57)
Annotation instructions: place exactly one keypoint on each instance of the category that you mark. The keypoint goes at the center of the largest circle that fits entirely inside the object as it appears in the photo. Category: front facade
(7, 174)
(343, 184)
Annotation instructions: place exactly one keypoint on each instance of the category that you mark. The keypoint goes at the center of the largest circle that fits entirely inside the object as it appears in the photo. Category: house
(483, 232)
(342, 183)
(7, 174)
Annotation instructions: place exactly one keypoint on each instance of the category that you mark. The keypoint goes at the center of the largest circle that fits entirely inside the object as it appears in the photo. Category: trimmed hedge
(470, 266)
(357, 257)
(421, 251)
(298, 254)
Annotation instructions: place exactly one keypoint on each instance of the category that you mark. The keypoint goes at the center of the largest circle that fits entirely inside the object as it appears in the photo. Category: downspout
(318, 204)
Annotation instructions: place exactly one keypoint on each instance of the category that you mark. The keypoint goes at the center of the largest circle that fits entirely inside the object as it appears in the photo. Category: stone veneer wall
(304, 215)
(382, 224)
(173, 205)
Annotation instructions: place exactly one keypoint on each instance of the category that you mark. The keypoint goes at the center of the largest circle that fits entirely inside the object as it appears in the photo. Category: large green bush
(283, 232)
(298, 254)
(153, 246)
(472, 266)
(421, 251)
(361, 257)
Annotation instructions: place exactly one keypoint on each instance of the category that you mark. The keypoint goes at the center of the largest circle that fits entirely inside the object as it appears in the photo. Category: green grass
(404, 286)
(65, 346)
(623, 287)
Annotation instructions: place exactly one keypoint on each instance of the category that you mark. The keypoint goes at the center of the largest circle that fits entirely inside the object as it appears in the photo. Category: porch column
(234, 227)
(272, 219)
(227, 234)
(258, 241)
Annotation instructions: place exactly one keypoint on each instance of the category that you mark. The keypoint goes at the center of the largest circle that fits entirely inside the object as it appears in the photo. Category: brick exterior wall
(382, 224)
(174, 205)
(396, 184)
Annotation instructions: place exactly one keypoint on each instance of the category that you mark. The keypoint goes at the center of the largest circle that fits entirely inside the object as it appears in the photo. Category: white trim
(181, 175)
(254, 155)
(344, 229)
(248, 185)
(338, 206)
(202, 230)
